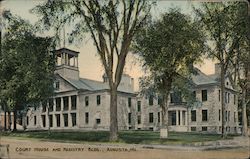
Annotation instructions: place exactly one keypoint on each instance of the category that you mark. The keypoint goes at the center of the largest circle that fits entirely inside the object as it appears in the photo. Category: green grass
(131, 137)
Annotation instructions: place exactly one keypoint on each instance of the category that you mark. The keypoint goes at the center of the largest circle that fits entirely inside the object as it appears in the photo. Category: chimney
(217, 69)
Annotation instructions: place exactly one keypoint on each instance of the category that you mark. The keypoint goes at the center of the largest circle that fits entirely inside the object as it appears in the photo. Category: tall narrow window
(204, 95)
(219, 114)
(98, 99)
(193, 115)
(51, 105)
(65, 118)
(27, 120)
(234, 116)
(138, 119)
(139, 106)
(234, 98)
(73, 102)
(159, 117)
(86, 118)
(228, 115)
(57, 85)
(194, 94)
(50, 120)
(73, 117)
(228, 98)
(219, 95)
(129, 118)
(129, 102)
(58, 120)
(34, 120)
(204, 115)
(58, 104)
(65, 103)
(44, 120)
(151, 117)
(86, 101)
(151, 100)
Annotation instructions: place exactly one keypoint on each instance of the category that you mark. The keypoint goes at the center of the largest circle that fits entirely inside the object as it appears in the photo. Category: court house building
(84, 104)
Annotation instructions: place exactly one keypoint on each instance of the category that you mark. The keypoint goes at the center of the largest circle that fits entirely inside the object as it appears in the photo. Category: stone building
(83, 104)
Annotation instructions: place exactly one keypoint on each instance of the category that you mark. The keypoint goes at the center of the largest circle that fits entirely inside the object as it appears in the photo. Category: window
(86, 101)
(98, 99)
(204, 128)
(57, 85)
(228, 115)
(58, 120)
(139, 106)
(65, 118)
(44, 120)
(73, 117)
(27, 120)
(234, 98)
(225, 97)
(98, 121)
(234, 116)
(138, 119)
(194, 94)
(159, 100)
(86, 118)
(228, 97)
(34, 120)
(65, 103)
(219, 95)
(151, 100)
(159, 117)
(193, 115)
(204, 95)
(204, 115)
(175, 97)
(44, 105)
(51, 104)
(58, 104)
(219, 114)
(129, 118)
(129, 102)
(151, 117)
(193, 128)
(50, 120)
(73, 102)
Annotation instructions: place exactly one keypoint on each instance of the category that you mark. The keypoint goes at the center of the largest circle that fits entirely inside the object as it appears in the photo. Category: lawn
(131, 137)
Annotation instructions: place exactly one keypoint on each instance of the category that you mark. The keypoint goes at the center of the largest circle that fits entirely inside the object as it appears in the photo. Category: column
(186, 119)
(70, 120)
(69, 102)
(177, 117)
(77, 61)
(62, 104)
(181, 117)
(74, 64)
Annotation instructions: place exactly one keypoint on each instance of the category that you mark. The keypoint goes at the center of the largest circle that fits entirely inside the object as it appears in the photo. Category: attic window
(57, 85)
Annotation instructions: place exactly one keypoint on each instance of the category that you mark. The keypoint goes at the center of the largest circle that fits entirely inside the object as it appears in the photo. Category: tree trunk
(223, 134)
(244, 113)
(113, 115)
(5, 118)
(9, 120)
(15, 120)
(164, 125)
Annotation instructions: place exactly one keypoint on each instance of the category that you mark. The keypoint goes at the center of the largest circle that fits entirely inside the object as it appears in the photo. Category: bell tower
(67, 63)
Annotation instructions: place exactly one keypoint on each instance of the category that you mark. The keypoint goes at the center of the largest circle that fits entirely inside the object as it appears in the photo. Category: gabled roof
(200, 78)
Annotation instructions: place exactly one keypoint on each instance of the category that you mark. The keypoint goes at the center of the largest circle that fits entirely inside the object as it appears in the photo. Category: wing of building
(84, 104)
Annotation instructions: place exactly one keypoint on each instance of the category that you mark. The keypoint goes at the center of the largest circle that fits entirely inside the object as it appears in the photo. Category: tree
(26, 65)
(241, 63)
(111, 24)
(169, 47)
(221, 23)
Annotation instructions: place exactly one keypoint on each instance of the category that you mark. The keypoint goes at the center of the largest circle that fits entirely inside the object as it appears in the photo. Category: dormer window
(57, 85)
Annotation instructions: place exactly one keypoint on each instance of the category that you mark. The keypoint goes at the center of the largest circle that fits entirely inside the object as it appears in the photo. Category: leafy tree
(222, 25)
(26, 65)
(112, 25)
(169, 47)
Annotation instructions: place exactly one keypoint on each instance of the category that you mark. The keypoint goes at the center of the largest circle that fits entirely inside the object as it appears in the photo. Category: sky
(89, 62)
